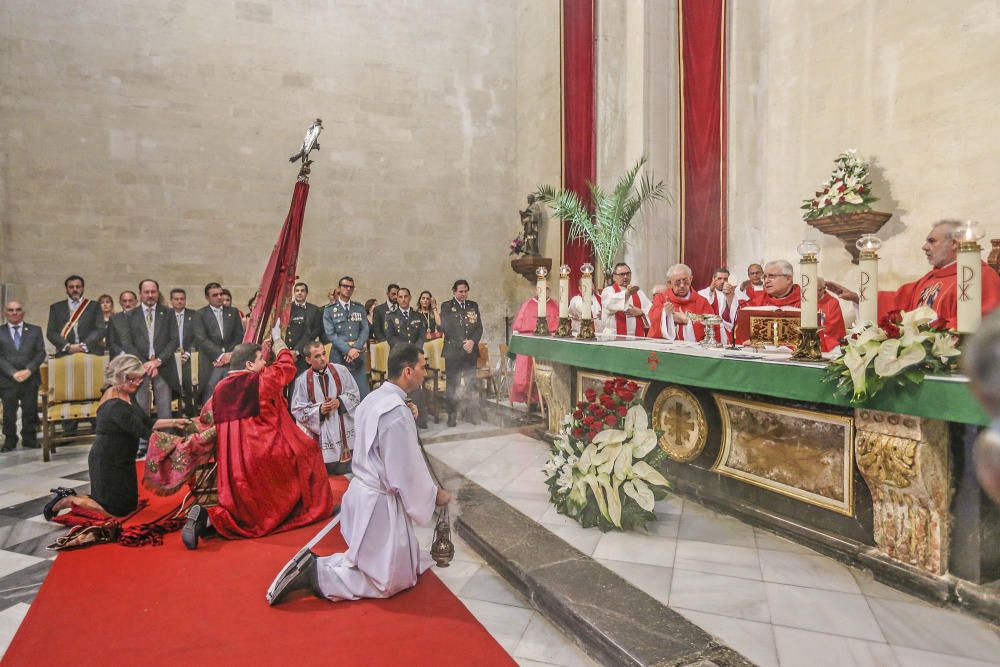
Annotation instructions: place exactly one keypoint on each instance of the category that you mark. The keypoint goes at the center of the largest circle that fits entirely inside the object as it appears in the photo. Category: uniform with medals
(460, 321)
(346, 327)
(407, 326)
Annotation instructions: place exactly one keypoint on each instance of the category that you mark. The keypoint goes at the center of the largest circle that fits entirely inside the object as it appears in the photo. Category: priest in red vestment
(938, 287)
(669, 314)
(780, 291)
(831, 318)
(626, 307)
(525, 321)
(271, 476)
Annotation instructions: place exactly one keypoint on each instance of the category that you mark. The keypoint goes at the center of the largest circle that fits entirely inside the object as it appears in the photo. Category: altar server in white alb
(721, 295)
(626, 307)
(392, 489)
(324, 400)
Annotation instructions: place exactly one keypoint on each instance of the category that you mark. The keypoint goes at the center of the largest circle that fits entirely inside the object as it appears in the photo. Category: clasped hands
(329, 405)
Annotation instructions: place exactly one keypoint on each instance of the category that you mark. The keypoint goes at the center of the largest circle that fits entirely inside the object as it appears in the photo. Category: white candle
(587, 292)
(868, 283)
(969, 285)
(808, 274)
(563, 292)
(541, 297)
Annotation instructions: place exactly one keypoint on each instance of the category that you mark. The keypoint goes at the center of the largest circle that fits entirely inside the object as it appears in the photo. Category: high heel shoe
(60, 492)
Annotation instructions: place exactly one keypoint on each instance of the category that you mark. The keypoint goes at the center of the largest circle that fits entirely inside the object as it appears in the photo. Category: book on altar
(768, 325)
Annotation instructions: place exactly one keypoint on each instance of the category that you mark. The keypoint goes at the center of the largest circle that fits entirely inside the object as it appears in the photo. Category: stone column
(554, 382)
(905, 461)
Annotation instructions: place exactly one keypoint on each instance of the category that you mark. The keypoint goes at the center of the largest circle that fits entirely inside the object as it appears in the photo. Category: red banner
(579, 118)
(702, 44)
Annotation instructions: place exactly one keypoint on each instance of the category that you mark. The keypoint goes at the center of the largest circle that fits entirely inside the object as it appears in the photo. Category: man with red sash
(323, 403)
(721, 294)
(525, 321)
(72, 325)
(626, 307)
(671, 307)
(938, 287)
(271, 476)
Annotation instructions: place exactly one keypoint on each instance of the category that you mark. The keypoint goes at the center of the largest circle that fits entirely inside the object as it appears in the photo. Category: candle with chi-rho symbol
(969, 276)
(869, 245)
(587, 291)
(808, 275)
(564, 291)
(540, 286)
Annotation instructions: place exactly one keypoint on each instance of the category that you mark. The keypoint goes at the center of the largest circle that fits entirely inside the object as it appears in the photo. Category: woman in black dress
(114, 488)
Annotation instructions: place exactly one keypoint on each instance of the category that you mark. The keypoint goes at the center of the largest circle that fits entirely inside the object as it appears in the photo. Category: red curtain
(579, 161)
(702, 43)
(279, 275)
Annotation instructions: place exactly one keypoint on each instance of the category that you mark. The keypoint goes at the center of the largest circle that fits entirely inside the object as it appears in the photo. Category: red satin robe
(692, 303)
(523, 364)
(791, 300)
(271, 476)
(938, 289)
(831, 324)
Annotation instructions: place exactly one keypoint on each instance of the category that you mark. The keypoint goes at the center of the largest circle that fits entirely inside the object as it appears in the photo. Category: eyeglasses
(772, 276)
(624, 273)
(135, 382)
(346, 286)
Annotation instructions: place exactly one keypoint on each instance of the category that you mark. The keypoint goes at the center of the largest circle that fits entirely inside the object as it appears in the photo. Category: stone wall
(910, 83)
(152, 139)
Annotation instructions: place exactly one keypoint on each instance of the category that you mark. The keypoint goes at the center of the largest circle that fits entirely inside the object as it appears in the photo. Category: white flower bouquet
(848, 190)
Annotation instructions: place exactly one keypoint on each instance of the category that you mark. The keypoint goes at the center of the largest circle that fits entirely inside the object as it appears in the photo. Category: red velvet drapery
(279, 275)
(702, 44)
(578, 108)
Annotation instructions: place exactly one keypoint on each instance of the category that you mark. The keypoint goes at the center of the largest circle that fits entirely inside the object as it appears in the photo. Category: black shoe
(195, 527)
(60, 492)
(298, 575)
(452, 419)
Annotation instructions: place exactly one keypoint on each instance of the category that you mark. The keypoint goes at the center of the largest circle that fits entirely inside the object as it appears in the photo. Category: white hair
(678, 268)
(121, 367)
(786, 267)
(952, 225)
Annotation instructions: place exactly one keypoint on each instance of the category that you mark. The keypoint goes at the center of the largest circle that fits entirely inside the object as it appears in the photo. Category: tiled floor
(24, 562)
(774, 601)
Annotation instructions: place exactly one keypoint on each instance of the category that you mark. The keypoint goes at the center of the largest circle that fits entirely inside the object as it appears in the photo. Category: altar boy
(323, 404)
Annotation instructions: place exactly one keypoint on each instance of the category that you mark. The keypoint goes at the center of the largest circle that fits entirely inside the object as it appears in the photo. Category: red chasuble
(692, 303)
(792, 300)
(525, 323)
(938, 289)
(271, 476)
(831, 322)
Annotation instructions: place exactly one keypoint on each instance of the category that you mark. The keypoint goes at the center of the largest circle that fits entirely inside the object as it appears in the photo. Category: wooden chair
(378, 360)
(504, 374)
(434, 382)
(72, 393)
(485, 373)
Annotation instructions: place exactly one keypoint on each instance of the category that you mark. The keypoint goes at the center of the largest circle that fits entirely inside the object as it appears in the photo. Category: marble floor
(774, 601)
(24, 562)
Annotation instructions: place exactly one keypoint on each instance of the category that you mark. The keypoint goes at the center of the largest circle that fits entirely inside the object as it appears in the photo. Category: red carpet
(166, 605)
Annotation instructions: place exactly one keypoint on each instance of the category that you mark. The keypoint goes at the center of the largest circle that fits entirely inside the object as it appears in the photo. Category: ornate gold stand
(808, 346)
(542, 326)
(564, 330)
(586, 330)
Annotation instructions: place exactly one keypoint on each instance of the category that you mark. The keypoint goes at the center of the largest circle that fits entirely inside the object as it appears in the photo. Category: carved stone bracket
(554, 382)
(905, 461)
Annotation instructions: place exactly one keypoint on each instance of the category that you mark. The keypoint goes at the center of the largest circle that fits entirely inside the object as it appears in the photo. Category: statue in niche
(531, 221)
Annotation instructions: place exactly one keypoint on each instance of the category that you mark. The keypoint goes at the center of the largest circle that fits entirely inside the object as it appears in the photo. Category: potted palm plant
(613, 213)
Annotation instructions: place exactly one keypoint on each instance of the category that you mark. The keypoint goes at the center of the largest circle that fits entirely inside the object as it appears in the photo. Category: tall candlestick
(563, 291)
(970, 276)
(542, 322)
(587, 296)
(868, 285)
(808, 274)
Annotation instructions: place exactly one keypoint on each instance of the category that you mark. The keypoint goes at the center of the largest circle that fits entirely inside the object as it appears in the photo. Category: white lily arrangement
(607, 480)
(848, 190)
(903, 349)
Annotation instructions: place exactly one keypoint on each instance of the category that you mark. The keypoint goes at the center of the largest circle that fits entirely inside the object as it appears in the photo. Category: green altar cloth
(945, 398)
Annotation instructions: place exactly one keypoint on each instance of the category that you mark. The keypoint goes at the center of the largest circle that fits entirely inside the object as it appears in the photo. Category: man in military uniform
(346, 327)
(463, 328)
(305, 325)
(381, 313)
(406, 327)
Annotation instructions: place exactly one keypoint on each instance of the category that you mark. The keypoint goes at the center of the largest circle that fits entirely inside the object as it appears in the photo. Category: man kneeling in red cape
(271, 476)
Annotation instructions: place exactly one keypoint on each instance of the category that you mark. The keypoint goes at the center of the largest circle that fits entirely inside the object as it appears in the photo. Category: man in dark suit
(118, 325)
(185, 318)
(381, 313)
(305, 325)
(218, 330)
(22, 352)
(405, 327)
(463, 329)
(73, 323)
(152, 331)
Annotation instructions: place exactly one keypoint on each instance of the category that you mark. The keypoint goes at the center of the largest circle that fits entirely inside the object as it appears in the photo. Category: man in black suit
(381, 312)
(152, 331)
(118, 325)
(463, 329)
(185, 318)
(73, 323)
(305, 325)
(22, 352)
(405, 327)
(219, 329)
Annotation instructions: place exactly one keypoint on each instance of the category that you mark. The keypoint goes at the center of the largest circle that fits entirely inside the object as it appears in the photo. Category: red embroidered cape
(938, 289)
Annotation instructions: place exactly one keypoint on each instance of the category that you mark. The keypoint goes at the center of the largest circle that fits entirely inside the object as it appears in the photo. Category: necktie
(149, 329)
(17, 337)
(180, 330)
(218, 318)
